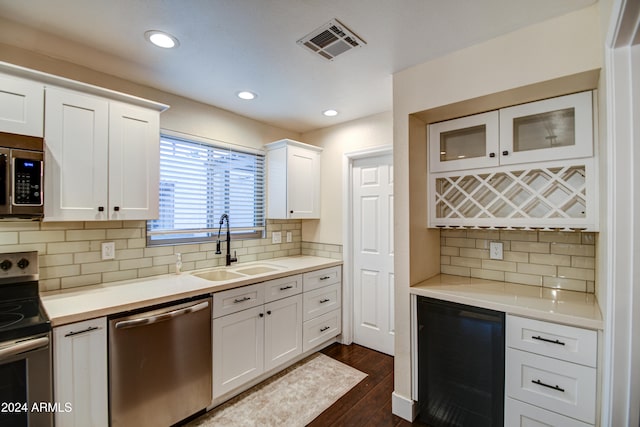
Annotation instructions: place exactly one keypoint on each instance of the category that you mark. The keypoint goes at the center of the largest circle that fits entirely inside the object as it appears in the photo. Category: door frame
(621, 376)
(347, 232)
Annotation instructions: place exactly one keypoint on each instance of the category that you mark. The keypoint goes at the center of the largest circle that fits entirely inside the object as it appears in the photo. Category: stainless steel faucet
(229, 259)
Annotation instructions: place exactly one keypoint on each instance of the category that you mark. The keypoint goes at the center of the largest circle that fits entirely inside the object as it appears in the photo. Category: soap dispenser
(178, 263)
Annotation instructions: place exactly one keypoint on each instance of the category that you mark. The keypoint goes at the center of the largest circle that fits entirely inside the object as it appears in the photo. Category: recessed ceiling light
(330, 113)
(245, 94)
(161, 39)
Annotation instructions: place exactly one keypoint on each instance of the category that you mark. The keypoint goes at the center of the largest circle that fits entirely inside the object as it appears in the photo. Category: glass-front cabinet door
(552, 129)
(465, 143)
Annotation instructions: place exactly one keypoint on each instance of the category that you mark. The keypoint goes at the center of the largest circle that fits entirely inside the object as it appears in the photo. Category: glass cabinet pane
(545, 130)
(463, 143)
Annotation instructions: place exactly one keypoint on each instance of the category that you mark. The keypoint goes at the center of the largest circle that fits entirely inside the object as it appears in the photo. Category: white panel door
(134, 156)
(76, 149)
(238, 349)
(373, 253)
(282, 331)
(303, 185)
(80, 373)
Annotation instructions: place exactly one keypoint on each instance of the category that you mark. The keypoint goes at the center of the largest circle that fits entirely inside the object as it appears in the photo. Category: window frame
(211, 232)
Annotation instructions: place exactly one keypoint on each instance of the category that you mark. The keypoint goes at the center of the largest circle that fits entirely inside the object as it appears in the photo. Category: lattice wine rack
(553, 196)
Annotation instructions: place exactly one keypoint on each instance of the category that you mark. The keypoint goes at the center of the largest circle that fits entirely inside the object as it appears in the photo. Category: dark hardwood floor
(369, 402)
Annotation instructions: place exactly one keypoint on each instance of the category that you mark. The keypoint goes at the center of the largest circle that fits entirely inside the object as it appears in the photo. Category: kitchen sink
(219, 275)
(257, 269)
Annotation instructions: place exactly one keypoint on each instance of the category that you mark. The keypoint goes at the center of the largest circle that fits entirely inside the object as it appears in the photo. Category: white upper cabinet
(528, 166)
(21, 106)
(551, 129)
(464, 143)
(102, 158)
(293, 180)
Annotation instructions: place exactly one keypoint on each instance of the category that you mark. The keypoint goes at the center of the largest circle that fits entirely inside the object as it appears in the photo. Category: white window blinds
(198, 183)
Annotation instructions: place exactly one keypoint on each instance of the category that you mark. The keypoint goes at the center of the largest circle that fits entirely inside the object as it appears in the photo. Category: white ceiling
(232, 45)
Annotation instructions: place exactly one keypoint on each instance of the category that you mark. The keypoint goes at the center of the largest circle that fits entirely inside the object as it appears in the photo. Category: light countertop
(560, 306)
(87, 302)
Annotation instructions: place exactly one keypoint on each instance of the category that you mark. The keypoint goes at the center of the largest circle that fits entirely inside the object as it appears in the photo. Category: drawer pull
(539, 338)
(239, 300)
(322, 301)
(553, 387)
(324, 328)
(325, 277)
(84, 331)
(284, 288)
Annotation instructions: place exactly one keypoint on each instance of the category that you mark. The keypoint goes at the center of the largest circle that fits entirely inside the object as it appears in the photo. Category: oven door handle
(141, 321)
(23, 347)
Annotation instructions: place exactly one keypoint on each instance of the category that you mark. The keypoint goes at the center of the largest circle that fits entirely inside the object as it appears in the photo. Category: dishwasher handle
(141, 321)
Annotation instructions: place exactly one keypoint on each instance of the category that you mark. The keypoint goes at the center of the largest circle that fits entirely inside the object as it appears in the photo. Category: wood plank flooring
(368, 403)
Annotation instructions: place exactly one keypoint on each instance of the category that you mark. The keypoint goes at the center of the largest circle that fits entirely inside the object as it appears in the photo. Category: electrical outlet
(289, 237)
(108, 250)
(495, 250)
(276, 237)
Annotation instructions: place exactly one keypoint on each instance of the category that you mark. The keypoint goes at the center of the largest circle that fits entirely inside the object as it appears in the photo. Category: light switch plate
(289, 237)
(276, 237)
(108, 250)
(495, 250)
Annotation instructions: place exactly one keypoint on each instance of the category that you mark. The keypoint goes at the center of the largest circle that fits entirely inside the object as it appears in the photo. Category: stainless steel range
(25, 345)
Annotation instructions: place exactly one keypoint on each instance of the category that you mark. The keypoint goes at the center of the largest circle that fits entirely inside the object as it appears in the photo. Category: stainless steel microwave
(21, 176)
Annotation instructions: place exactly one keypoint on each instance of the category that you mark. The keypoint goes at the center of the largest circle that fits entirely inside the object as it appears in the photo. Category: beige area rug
(292, 398)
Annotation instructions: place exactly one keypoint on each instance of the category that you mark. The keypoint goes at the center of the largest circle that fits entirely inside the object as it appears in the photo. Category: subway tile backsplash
(70, 252)
(561, 260)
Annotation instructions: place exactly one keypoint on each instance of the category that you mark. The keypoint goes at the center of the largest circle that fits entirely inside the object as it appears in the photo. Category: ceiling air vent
(331, 39)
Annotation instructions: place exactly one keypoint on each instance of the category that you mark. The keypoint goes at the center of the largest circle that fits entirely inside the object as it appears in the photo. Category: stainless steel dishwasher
(160, 364)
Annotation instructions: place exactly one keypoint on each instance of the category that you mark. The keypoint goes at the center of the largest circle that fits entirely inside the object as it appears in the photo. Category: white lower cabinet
(258, 328)
(550, 374)
(254, 340)
(80, 373)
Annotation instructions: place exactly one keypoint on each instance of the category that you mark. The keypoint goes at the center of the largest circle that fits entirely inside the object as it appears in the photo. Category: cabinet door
(21, 106)
(552, 129)
(134, 159)
(80, 373)
(464, 143)
(76, 140)
(303, 183)
(282, 331)
(238, 349)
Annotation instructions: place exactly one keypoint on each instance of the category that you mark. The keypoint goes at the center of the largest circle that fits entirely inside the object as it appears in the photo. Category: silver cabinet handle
(161, 317)
(23, 347)
(322, 301)
(84, 331)
(284, 288)
(324, 328)
(239, 300)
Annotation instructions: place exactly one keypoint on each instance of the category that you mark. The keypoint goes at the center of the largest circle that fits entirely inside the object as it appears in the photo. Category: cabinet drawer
(318, 330)
(234, 300)
(322, 300)
(520, 414)
(562, 387)
(568, 343)
(282, 288)
(317, 279)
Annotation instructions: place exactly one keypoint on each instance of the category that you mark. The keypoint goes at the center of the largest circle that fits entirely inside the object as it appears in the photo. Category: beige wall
(552, 49)
(371, 131)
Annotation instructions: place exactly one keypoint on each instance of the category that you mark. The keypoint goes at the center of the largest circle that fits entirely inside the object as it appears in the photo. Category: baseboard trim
(403, 407)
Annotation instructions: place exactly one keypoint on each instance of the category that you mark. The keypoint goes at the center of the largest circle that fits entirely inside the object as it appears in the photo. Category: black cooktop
(21, 312)
(22, 318)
